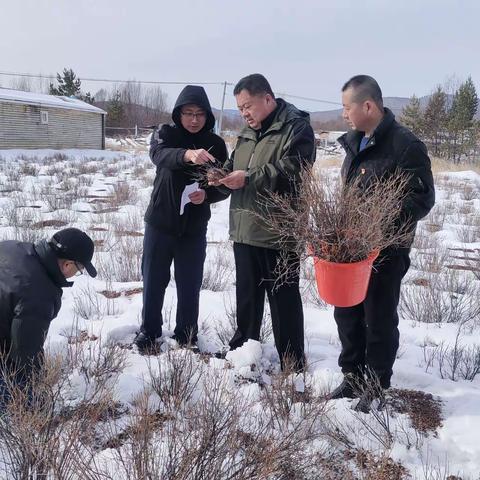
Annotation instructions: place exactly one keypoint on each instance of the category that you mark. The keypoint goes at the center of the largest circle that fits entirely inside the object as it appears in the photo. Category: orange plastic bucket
(343, 284)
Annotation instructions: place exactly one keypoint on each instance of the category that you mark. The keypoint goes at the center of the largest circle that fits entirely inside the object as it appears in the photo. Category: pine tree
(412, 116)
(461, 120)
(68, 84)
(435, 121)
(88, 98)
(115, 110)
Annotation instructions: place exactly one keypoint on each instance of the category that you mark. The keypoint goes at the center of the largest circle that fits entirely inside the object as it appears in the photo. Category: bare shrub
(431, 260)
(175, 377)
(454, 361)
(340, 223)
(85, 180)
(130, 222)
(28, 169)
(99, 363)
(123, 262)
(55, 199)
(87, 167)
(309, 289)
(446, 298)
(469, 191)
(437, 216)
(37, 439)
(225, 328)
(468, 234)
(123, 194)
(218, 270)
(88, 304)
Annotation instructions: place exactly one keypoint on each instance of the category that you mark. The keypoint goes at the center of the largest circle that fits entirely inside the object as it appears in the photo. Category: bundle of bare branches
(337, 222)
(210, 173)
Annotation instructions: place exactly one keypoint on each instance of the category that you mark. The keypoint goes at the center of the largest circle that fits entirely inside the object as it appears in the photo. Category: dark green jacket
(273, 161)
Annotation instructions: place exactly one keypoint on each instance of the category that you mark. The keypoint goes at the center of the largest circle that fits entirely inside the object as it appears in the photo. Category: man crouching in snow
(31, 281)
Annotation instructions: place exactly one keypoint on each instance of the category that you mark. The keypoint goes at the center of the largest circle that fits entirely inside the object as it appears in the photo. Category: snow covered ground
(106, 193)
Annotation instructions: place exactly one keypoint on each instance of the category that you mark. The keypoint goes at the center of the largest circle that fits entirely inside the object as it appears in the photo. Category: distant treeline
(447, 122)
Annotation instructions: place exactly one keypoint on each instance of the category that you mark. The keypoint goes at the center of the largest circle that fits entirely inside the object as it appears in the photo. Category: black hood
(196, 95)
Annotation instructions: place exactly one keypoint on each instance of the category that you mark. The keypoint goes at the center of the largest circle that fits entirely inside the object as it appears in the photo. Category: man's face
(69, 268)
(254, 108)
(355, 114)
(193, 118)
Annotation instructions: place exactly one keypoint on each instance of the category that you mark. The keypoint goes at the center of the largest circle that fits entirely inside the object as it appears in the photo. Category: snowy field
(184, 415)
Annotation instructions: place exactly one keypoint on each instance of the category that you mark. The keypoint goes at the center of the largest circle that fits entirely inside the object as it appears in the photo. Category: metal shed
(34, 120)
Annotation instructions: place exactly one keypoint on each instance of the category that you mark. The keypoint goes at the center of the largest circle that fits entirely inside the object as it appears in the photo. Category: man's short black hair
(365, 88)
(254, 84)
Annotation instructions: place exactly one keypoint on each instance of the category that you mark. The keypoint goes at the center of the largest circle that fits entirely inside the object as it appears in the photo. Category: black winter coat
(392, 147)
(167, 150)
(30, 297)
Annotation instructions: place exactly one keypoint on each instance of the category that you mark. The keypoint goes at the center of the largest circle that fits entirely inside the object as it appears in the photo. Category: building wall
(21, 127)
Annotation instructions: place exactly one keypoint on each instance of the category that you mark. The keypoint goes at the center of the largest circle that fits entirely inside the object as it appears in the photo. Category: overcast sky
(306, 48)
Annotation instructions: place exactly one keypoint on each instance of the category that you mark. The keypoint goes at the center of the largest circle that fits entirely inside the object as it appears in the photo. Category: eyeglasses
(80, 268)
(192, 115)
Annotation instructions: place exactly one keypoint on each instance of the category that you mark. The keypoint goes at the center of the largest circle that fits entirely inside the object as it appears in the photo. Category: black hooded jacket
(391, 148)
(167, 149)
(30, 297)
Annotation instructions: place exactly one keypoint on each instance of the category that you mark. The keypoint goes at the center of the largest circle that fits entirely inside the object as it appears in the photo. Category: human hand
(197, 197)
(214, 175)
(198, 157)
(234, 180)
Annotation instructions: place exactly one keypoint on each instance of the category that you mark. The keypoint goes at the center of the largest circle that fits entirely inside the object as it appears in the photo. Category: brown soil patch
(424, 411)
(433, 227)
(129, 233)
(110, 294)
(421, 282)
(126, 293)
(468, 268)
(100, 200)
(107, 210)
(380, 468)
(49, 223)
(81, 336)
(154, 421)
(133, 291)
(98, 229)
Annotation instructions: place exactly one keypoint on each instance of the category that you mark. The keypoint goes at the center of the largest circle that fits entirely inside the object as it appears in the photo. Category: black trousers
(255, 269)
(188, 255)
(369, 331)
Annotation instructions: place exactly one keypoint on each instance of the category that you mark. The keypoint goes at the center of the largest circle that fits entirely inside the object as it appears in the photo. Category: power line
(298, 97)
(151, 82)
(109, 80)
(309, 99)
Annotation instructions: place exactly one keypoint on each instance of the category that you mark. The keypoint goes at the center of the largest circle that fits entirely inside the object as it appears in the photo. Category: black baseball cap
(73, 244)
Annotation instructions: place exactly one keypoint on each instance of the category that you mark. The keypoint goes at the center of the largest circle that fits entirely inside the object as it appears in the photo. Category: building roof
(42, 100)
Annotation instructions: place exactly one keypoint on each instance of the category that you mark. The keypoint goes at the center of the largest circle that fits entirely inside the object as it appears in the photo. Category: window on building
(43, 117)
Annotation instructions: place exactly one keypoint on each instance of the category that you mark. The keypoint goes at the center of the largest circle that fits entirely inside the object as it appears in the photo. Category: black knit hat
(73, 244)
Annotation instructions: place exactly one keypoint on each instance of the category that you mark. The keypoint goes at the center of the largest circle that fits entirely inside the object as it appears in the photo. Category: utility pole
(219, 129)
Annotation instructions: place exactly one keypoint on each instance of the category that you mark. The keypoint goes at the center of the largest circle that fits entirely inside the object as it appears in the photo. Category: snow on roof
(42, 100)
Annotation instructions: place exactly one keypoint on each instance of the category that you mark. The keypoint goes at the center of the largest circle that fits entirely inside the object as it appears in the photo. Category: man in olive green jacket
(270, 152)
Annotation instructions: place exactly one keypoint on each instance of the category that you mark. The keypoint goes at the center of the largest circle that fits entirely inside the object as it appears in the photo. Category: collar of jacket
(351, 139)
(49, 261)
(286, 112)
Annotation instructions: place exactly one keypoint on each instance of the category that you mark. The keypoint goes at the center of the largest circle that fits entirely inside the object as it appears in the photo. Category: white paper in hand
(193, 187)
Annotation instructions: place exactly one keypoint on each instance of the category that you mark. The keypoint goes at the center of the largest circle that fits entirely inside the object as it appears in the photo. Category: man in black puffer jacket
(175, 231)
(31, 281)
(377, 147)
